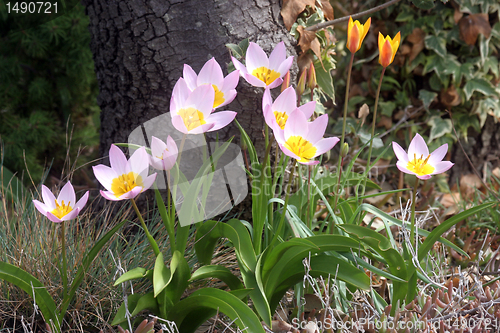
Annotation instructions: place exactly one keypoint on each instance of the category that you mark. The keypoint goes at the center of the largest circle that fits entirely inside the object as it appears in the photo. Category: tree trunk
(140, 47)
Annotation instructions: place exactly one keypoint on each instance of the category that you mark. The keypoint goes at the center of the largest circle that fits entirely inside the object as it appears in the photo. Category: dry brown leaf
(449, 201)
(417, 39)
(457, 15)
(386, 122)
(469, 183)
(291, 10)
(308, 40)
(450, 97)
(363, 112)
(471, 26)
(327, 9)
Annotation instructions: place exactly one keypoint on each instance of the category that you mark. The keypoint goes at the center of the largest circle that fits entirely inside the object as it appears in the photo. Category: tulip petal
(285, 66)
(157, 147)
(296, 125)
(82, 202)
(139, 162)
(110, 196)
(179, 125)
(117, 160)
(277, 57)
(402, 167)
(148, 182)
(202, 98)
(202, 129)
(104, 175)
(275, 83)
(229, 96)
(255, 58)
(71, 215)
(231, 81)
(48, 198)
(132, 193)
(254, 81)
(316, 129)
(67, 194)
(53, 218)
(311, 162)
(41, 207)
(190, 77)
(308, 109)
(180, 94)
(211, 73)
(442, 167)
(267, 99)
(418, 147)
(324, 145)
(288, 152)
(221, 119)
(286, 101)
(438, 154)
(400, 153)
(239, 66)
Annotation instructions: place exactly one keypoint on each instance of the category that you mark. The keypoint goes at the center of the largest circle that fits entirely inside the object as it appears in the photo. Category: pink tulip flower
(65, 207)
(418, 161)
(192, 110)
(276, 113)
(163, 155)
(211, 74)
(261, 71)
(304, 140)
(125, 179)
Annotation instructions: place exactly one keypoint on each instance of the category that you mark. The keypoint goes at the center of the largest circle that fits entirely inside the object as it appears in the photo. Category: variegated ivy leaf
(439, 127)
(437, 44)
(480, 85)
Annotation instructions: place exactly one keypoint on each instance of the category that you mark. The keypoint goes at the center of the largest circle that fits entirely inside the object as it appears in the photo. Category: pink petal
(48, 198)
(239, 66)
(286, 101)
(424, 177)
(104, 175)
(132, 193)
(402, 167)
(418, 147)
(288, 152)
(53, 218)
(221, 119)
(311, 162)
(211, 73)
(190, 77)
(277, 56)
(157, 147)
(41, 207)
(279, 135)
(180, 94)
(82, 202)
(255, 58)
(178, 123)
(202, 98)
(156, 163)
(202, 129)
(172, 146)
(67, 194)
(228, 97)
(285, 66)
(254, 81)
(269, 117)
(324, 145)
(231, 81)
(308, 109)
(276, 83)
(148, 182)
(316, 129)
(266, 98)
(441, 167)
(438, 154)
(296, 125)
(110, 196)
(168, 162)
(117, 160)
(400, 153)
(139, 161)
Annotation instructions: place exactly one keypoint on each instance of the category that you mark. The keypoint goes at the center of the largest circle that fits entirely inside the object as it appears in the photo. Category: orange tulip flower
(387, 48)
(356, 32)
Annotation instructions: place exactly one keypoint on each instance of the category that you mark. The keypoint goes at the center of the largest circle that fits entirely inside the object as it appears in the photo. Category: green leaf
(32, 287)
(248, 144)
(186, 313)
(181, 273)
(435, 63)
(10, 186)
(239, 51)
(133, 274)
(424, 4)
(459, 70)
(120, 314)
(427, 97)
(219, 272)
(146, 302)
(161, 275)
(324, 77)
(84, 267)
(365, 137)
(427, 245)
(480, 85)
(439, 127)
(491, 64)
(437, 44)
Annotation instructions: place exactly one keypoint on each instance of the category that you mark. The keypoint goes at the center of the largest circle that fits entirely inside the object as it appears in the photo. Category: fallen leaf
(308, 40)
(327, 9)
(472, 25)
(469, 184)
(416, 38)
(457, 15)
(450, 97)
(291, 10)
(386, 122)
(363, 112)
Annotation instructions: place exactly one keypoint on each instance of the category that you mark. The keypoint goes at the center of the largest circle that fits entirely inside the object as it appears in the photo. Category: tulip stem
(374, 121)
(151, 240)
(64, 273)
(413, 205)
(285, 206)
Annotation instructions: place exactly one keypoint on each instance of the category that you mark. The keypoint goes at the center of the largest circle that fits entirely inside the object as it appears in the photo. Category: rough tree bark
(140, 47)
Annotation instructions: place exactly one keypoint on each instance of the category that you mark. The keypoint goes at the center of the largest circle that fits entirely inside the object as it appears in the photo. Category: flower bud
(311, 80)
(345, 150)
(286, 81)
(301, 86)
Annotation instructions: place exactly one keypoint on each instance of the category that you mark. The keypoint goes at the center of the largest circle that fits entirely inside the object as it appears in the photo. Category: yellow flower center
(420, 166)
(219, 96)
(61, 209)
(125, 183)
(192, 118)
(300, 147)
(266, 75)
(281, 118)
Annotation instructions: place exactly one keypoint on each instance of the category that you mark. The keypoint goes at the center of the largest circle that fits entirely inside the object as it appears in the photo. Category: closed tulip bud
(286, 81)
(311, 80)
(301, 86)
(345, 150)
(356, 32)
(387, 48)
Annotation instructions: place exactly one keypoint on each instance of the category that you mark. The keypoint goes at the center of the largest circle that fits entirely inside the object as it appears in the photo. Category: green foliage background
(47, 86)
